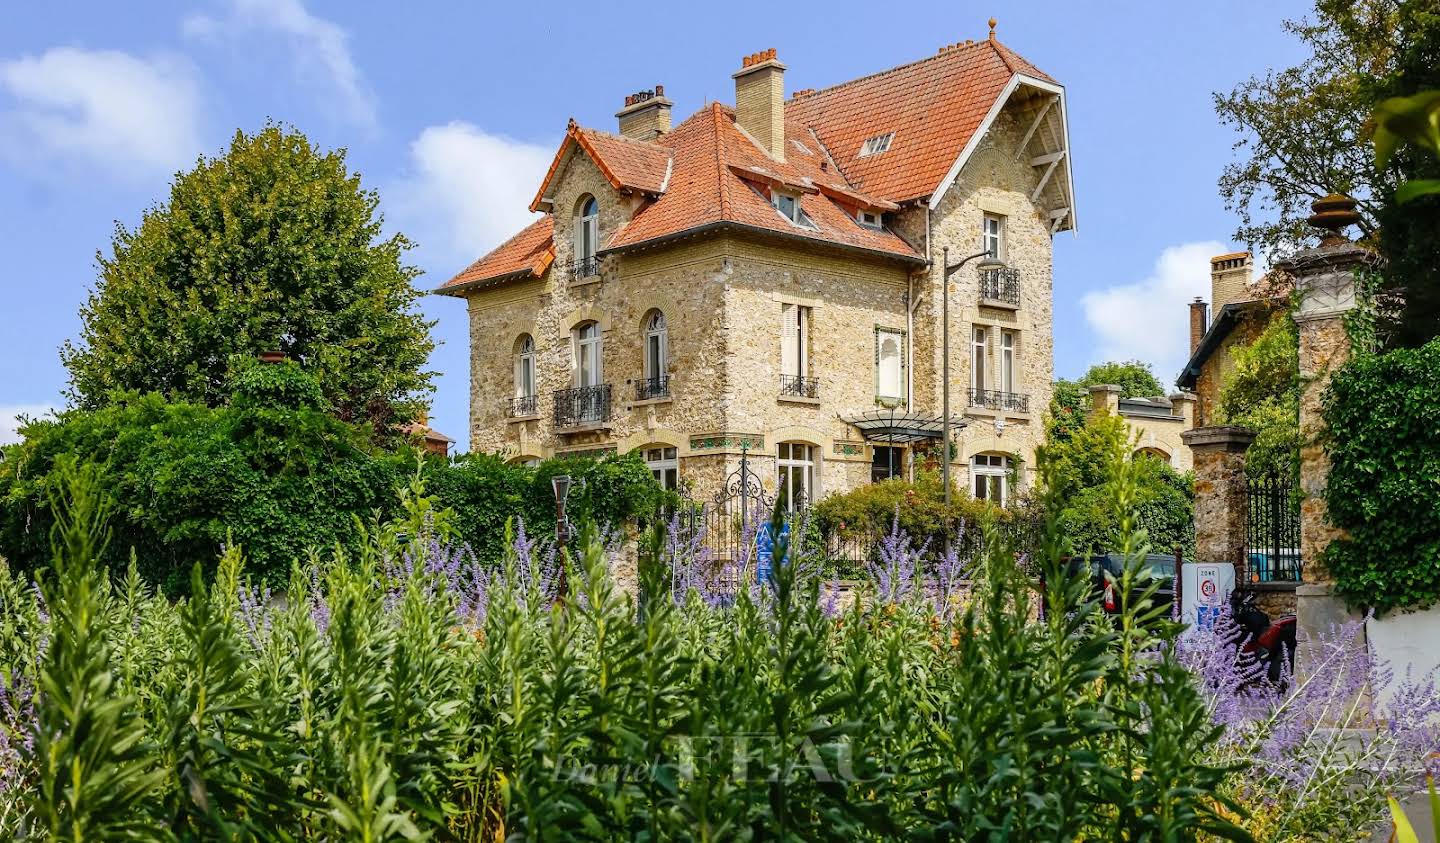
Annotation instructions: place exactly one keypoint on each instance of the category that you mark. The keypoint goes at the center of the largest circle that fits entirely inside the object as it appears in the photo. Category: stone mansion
(768, 276)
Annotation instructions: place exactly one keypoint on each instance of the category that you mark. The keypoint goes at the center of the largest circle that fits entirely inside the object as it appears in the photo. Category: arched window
(795, 465)
(587, 237)
(588, 354)
(1154, 454)
(657, 357)
(525, 366)
(990, 477)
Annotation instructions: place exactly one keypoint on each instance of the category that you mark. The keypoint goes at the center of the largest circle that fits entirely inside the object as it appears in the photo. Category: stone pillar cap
(1184, 396)
(1106, 387)
(1218, 436)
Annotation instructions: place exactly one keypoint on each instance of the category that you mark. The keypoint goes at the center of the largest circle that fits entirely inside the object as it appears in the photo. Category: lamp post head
(990, 263)
(561, 484)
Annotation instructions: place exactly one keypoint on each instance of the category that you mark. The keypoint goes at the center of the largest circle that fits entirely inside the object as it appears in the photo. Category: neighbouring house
(1241, 308)
(1156, 422)
(432, 440)
(765, 278)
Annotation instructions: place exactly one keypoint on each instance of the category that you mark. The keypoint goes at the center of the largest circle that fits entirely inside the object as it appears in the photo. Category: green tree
(1410, 216)
(1303, 129)
(1262, 392)
(272, 246)
(1070, 402)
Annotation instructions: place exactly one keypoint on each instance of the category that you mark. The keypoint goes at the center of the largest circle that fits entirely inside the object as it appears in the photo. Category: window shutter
(790, 339)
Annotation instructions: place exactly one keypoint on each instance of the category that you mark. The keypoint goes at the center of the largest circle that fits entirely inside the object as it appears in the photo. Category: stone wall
(995, 180)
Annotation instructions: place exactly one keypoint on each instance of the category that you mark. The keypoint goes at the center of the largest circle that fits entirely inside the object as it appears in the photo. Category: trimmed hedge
(1383, 419)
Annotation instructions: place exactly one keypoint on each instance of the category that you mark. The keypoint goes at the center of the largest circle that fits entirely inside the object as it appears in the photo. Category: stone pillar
(1219, 455)
(1324, 280)
(1183, 405)
(1105, 399)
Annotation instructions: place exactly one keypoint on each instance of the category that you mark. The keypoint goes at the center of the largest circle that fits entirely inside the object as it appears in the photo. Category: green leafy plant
(1382, 416)
(1409, 120)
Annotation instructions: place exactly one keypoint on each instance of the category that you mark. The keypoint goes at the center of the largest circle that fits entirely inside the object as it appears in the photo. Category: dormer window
(788, 204)
(869, 219)
(876, 145)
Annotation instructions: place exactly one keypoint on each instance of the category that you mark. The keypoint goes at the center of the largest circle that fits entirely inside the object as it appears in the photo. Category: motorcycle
(1271, 642)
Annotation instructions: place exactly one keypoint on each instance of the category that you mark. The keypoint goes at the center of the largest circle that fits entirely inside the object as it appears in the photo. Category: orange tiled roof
(526, 255)
(707, 172)
(626, 163)
(720, 176)
(933, 106)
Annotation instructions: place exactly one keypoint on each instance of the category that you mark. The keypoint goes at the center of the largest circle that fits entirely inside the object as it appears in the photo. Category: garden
(404, 687)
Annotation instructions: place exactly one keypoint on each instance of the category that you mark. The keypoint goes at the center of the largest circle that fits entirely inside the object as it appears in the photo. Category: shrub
(1382, 413)
(370, 706)
(867, 513)
(182, 479)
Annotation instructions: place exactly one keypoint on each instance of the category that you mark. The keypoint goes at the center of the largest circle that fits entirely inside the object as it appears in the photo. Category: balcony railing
(582, 405)
(1002, 285)
(647, 389)
(799, 386)
(584, 268)
(997, 400)
(525, 405)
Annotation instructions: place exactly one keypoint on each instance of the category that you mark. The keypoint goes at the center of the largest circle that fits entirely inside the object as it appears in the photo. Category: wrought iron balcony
(1000, 285)
(996, 400)
(582, 405)
(799, 386)
(525, 405)
(584, 268)
(647, 389)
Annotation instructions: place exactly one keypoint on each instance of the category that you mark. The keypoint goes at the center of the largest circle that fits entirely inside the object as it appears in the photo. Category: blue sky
(453, 113)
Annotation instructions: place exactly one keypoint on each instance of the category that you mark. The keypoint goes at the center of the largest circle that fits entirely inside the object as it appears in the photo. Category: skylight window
(877, 144)
(869, 219)
(788, 205)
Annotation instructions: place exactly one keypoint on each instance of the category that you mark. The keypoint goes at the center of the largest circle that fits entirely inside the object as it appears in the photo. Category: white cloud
(102, 107)
(318, 46)
(10, 421)
(1148, 320)
(466, 190)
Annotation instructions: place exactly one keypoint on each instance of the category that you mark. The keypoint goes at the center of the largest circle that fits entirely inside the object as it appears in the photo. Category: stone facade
(722, 295)
(1155, 424)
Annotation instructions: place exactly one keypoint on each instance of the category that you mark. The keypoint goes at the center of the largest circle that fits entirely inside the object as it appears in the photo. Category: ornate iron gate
(1272, 530)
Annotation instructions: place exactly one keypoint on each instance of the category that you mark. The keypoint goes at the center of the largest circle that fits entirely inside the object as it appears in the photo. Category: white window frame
(594, 345)
(794, 353)
(876, 144)
(992, 236)
(870, 219)
(898, 336)
(979, 357)
(1008, 350)
(525, 380)
(587, 229)
(993, 471)
(777, 198)
(795, 472)
(664, 462)
(657, 346)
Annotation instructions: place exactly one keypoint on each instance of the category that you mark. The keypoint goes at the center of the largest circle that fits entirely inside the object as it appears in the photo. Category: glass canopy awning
(897, 427)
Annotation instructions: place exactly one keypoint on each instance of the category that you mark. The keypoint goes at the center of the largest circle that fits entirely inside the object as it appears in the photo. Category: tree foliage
(1410, 230)
(272, 246)
(1081, 476)
(1262, 392)
(1303, 130)
(1070, 402)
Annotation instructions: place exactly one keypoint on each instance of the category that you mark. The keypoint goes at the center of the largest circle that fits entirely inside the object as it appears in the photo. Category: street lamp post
(990, 262)
(560, 484)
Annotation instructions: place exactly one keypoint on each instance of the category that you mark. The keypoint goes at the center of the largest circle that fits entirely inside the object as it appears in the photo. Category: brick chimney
(646, 115)
(1230, 279)
(760, 101)
(1198, 323)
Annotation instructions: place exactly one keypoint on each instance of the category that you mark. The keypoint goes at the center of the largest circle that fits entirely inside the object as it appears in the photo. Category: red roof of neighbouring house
(708, 173)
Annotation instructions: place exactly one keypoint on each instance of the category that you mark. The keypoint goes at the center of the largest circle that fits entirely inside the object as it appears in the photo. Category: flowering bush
(406, 689)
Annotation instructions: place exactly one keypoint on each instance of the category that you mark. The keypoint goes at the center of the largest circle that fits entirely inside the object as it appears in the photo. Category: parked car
(1162, 566)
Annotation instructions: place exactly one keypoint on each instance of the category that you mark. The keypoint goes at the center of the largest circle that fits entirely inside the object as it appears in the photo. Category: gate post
(1325, 283)
(1220, 493)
